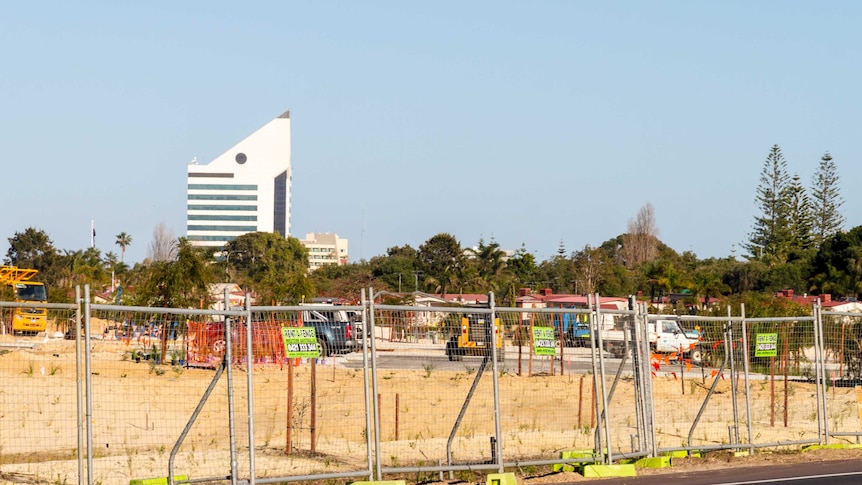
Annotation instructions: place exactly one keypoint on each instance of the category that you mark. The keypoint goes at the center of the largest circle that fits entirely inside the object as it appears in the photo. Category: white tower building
(245, 189)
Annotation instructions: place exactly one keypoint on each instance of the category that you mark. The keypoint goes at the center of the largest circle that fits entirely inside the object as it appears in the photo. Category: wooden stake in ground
(580, 401)
(772, 392)
(287, 433)
(313, 405)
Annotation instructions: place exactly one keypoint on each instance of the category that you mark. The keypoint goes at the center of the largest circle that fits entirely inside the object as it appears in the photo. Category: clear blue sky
(526, 122)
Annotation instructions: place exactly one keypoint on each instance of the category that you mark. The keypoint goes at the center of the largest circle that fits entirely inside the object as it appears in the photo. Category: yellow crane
(25, 320)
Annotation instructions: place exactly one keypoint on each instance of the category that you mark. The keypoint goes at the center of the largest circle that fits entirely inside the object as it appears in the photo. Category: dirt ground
(139, 409)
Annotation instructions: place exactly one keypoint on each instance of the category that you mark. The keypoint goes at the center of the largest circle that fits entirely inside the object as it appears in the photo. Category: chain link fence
(427, 390)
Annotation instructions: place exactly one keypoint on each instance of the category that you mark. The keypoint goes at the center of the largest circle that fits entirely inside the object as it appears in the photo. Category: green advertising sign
(767, 345)
(543, 341)
(300, 342)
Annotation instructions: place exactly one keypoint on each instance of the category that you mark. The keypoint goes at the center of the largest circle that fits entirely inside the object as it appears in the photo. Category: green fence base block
(677, 453)
(682, 454)
(501, 479)
(566, 455)
(655, 462)
(573, 457)
(382, 482)
(601, 471)
(836, 446)
(156, 481)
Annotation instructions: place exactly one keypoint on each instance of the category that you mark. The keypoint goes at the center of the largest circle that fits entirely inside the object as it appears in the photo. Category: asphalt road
(848, 472)
(577, 361)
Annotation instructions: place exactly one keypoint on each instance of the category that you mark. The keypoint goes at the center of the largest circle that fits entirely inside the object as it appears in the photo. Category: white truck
(665, 337)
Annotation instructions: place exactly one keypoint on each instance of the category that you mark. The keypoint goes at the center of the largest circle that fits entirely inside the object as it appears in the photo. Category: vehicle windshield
(30, 292)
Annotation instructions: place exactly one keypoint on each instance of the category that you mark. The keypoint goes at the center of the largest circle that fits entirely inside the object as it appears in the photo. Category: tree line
(797, 242)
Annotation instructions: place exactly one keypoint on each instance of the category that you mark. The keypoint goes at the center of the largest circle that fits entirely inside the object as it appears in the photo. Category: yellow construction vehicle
(25, 320)
(475, 336)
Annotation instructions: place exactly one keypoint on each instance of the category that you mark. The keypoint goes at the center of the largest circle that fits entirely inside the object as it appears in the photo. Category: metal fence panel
(425, 387)
(698, 391)
(39, 398)
(780, 354)
(432, 409)
(143, 391)
(842, 364)
(547, 402)
(309, 414)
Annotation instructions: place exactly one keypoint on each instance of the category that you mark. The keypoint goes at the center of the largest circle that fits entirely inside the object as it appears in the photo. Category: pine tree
(770, 237)
(826, 216)
(799, 216)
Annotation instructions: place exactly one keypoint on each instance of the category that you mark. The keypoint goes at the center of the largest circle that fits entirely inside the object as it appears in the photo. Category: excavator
(25, 320)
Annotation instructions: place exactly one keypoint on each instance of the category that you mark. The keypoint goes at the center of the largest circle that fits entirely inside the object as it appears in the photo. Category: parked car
(336, 330)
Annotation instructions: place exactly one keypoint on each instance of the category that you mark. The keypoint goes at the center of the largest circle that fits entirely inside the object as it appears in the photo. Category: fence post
(649, 396)
(88, 386)
(375, 408)
(733, 380)
(228, 344)
(496, 333)
(249, 352)
(596, 345)
(606, 415)
(79, 391)
(820, 365)
(745, 364)
(366, 326)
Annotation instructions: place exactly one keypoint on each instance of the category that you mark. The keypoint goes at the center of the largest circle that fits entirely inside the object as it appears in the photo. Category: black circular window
(241, 158)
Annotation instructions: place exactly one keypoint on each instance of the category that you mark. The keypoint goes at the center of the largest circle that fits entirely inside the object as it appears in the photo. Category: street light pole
(227, 263)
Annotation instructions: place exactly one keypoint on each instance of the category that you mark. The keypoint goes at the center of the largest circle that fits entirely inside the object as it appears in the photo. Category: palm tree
(123, 240)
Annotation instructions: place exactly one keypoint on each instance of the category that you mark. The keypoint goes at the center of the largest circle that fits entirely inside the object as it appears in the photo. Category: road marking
(788, 479)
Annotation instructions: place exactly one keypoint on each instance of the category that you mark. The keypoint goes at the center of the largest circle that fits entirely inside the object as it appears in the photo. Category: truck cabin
(31, 292)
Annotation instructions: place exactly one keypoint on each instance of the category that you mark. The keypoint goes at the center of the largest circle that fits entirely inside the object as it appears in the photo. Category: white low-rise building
(325, 249)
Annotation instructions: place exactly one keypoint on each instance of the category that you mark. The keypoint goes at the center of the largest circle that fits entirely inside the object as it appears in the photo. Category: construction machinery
(475, 336)
(27, 320)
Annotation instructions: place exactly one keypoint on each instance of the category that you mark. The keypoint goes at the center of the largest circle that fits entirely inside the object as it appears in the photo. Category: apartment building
(325, 249)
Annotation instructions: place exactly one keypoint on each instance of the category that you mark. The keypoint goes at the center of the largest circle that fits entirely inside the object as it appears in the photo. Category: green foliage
(181, 283)
(837, 267)
(275, 268)
(397, 270)
(123, 240)
(770, 237)
(34, 249)
(441, 260)
(759, 305)
(791, 275)
(799, 217)
(344, 281)
(523, 264)
(826, 200)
